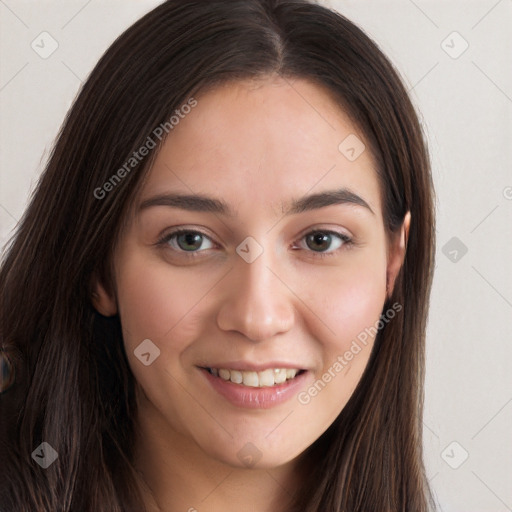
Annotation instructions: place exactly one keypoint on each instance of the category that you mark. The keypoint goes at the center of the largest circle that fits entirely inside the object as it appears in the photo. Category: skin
(256, 146)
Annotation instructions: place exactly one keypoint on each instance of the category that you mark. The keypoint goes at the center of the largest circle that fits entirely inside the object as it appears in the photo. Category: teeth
(250, 379)
(290, 373)
(224, 374)
(236, 376)
(280, 376)
(266, 378)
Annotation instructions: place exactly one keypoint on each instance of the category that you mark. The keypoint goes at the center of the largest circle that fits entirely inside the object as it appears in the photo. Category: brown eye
(319, 241)
(326, 242)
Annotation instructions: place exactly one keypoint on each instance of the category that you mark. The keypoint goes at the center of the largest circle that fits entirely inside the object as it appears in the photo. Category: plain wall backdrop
(455, 57)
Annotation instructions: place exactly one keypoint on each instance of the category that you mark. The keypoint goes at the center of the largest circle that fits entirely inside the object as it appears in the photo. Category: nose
(257, 302)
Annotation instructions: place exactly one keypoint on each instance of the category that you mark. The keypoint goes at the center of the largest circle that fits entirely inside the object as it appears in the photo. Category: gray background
(465, 100)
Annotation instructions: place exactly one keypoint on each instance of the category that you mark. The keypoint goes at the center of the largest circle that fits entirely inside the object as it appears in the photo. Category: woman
(217, 297)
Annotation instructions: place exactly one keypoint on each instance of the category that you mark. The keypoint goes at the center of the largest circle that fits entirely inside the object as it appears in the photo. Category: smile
(266, 378)
(256, 389)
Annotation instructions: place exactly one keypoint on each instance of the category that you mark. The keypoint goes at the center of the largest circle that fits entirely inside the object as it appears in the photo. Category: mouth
(268, 378)
(251, 389)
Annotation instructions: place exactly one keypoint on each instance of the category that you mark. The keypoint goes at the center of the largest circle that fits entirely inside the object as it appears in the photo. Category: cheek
(154, 300)
(355, 305)
(346, 300)
(349, 301)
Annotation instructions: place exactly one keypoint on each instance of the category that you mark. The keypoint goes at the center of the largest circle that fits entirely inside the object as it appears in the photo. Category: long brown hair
(74, 388)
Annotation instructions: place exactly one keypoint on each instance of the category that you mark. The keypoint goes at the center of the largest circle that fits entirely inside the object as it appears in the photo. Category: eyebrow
(201, 203)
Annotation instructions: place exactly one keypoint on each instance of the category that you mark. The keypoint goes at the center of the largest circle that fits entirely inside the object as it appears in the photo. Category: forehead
(264, 142)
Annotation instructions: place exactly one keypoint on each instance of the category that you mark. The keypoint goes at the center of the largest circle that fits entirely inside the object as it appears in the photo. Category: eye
(186, 240)
(326, 242)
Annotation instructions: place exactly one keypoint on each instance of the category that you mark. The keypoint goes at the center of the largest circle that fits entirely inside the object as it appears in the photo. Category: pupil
(319, 238)
(192, 240)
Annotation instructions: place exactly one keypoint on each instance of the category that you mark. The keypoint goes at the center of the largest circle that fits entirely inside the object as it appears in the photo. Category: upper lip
(248, 367)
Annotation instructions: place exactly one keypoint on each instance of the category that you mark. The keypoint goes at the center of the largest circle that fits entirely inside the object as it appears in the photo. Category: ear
(103, 301)
(396, 254)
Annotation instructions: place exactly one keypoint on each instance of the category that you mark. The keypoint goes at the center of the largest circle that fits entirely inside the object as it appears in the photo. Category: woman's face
(280, 270)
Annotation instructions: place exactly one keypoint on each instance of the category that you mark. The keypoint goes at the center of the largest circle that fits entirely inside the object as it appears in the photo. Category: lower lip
(252, 397)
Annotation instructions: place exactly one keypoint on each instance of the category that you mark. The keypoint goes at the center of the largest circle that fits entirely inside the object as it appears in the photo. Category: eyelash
(347, 241)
